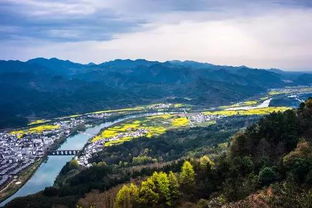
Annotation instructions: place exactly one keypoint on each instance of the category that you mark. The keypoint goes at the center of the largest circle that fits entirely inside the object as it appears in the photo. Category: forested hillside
(47, 88)
(269, 164)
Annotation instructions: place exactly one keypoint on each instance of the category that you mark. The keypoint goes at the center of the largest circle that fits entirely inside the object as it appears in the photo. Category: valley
(155, 104)
(27, 147)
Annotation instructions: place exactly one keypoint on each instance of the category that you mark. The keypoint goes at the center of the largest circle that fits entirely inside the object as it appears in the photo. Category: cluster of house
(161, 106)
(89, 149)
(98, 115)
(16, 154)
(201, 118)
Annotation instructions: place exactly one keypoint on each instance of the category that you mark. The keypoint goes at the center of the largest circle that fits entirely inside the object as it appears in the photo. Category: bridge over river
(64, 152)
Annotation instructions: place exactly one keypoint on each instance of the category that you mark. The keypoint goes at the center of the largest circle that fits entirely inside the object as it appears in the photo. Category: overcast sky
(256, 33)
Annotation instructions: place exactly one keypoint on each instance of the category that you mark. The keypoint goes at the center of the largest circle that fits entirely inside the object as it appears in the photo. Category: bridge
(64, 152)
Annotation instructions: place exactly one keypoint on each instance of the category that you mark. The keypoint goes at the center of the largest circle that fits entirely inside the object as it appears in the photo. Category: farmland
(34, 130)
(247, 112)
(147, 126)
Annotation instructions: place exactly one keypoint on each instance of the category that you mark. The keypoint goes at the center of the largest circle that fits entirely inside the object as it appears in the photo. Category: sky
(255, 33)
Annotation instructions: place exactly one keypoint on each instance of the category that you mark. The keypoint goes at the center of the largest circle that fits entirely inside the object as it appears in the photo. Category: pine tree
(147, 194)
(187, 177)
(174, 188)
(127, 197)
(162, 187)
(205, 162)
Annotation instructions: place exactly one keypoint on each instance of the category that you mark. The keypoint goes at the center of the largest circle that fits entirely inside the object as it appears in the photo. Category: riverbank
(18, 181)
(13, 186)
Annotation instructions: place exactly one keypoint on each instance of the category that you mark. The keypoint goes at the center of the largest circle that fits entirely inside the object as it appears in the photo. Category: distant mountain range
(52, 87)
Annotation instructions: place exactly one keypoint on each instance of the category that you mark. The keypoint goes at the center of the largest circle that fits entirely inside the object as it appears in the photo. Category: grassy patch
(250, 102)
(273, 92)
(139, 108)
(41, 121)
(264, 98)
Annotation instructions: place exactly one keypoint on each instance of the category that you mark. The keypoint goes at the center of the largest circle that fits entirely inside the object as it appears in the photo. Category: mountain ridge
(175, 62)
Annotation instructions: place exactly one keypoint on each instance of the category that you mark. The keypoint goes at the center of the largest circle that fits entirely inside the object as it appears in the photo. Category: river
(264, 104)
(47, 172)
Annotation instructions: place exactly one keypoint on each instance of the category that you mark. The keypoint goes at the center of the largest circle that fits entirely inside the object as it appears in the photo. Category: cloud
(83, 20)
(266, 33)
(60, 21)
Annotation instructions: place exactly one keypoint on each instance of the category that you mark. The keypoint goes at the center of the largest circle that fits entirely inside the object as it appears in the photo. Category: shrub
(267, 175)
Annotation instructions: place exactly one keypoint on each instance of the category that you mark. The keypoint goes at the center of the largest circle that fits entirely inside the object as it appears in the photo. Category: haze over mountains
(51, 87)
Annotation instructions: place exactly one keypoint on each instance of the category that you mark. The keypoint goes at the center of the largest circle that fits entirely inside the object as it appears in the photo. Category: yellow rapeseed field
(34, 130)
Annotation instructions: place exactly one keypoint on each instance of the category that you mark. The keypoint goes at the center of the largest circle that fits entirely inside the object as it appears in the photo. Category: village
(20, 149)
(18, 153)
